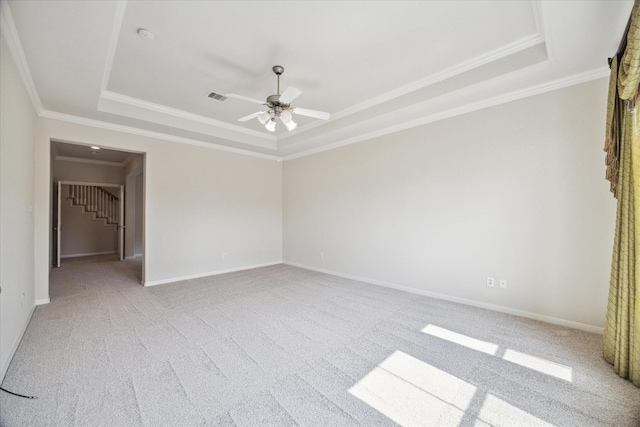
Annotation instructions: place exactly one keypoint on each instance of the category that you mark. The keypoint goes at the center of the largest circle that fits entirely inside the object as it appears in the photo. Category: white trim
(150, 134)
(465, 301)
(212, 273)
(96, 184)
(94, 162)
(162, 109)
(10, 33)
(121, 8)
(510, 49)
(43, 301)
(15, 345)
(480, 105)
(88, 254)
(538, 16)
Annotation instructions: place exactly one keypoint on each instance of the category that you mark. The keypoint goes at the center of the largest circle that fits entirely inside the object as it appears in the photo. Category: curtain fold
(622, 144)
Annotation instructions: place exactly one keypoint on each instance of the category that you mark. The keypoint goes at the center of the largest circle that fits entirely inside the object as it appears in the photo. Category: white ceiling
(377, 67)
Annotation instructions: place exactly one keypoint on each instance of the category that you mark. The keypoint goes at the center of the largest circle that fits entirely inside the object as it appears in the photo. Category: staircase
(96, 200)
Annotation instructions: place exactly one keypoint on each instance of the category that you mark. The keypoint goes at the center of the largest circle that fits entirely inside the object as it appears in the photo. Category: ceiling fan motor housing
(273, 101)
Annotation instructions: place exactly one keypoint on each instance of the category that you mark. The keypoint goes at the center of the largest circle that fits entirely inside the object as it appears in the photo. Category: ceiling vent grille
(217, 96)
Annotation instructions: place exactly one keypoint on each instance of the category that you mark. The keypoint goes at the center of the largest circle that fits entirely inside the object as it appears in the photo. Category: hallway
(92, 276)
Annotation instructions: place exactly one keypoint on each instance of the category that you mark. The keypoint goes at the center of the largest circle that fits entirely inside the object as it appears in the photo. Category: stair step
(97, 201)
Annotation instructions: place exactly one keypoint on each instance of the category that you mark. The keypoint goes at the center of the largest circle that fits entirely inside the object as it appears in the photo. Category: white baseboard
(473, 303)
(15, 345)
(88, 254)
(213, 273)
(43, 301)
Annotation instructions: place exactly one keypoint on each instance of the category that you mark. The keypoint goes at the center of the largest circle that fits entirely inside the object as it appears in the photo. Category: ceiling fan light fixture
(264, 117)
(271, 125)
(290, 125)
(285, 116)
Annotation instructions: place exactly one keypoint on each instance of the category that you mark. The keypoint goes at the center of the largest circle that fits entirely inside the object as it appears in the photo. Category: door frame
(58, 226)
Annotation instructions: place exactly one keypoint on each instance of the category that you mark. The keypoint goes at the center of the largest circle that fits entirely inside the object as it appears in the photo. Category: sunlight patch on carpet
(538, 364)
(463, 340)
(412, 392)
(497, 412)
(526, 360)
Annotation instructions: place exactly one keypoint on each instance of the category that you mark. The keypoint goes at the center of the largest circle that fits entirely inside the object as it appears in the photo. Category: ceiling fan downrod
(278, 69)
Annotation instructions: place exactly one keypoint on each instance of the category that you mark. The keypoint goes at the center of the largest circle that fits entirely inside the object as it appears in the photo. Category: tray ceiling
(377, 67)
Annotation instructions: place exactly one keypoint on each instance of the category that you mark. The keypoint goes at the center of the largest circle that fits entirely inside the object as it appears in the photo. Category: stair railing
(96, 200)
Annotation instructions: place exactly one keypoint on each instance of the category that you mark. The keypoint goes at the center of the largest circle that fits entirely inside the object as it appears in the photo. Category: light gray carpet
(285, 346)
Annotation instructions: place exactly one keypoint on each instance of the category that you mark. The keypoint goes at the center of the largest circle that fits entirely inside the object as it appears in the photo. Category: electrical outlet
(491, 282)
(224, 255)
(321, 255)
(23, 299)
(503, 283)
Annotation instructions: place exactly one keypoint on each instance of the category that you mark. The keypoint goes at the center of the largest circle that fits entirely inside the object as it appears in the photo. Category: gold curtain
(622, 144)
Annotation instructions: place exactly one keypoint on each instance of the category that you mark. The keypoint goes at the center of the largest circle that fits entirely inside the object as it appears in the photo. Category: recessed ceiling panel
(339, 54)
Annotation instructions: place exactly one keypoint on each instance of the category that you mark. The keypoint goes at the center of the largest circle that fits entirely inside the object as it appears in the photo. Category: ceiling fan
(278, 106)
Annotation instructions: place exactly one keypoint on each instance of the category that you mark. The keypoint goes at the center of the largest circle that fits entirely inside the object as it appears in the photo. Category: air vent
(217, 96)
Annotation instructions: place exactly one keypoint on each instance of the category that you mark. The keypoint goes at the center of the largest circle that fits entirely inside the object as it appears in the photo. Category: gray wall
(17, 138)
(514, 192)
(138, 216)
(212, 202)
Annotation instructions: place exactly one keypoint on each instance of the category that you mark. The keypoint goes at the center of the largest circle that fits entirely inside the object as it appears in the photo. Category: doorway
(97, 204)
(89, 220)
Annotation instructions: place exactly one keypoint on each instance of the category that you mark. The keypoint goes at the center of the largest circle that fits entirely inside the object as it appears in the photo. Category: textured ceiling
(376, 67)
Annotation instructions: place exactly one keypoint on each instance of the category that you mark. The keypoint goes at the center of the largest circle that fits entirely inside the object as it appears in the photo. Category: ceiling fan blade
(311, 113)
(250, 116)
(244, 98)
(289, 95)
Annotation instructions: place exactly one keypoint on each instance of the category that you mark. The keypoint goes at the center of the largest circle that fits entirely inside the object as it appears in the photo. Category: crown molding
(536, 9)
(479, 61)
(512, 96)
(121, 7)
(10, 33)
(164, 111)
(151, 134)
(91, 161)
(490, 102)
